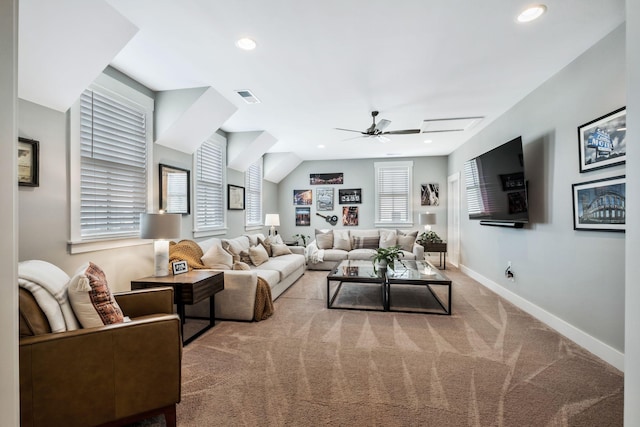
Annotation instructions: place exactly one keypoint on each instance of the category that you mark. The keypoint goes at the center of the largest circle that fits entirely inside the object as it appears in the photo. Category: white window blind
(210, 181)
(393, 193)
(474, 191)
(113, 167)
(253, 195)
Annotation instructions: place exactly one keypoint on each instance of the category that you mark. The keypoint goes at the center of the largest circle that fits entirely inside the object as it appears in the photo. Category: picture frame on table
(179, 267)
(600, 205)
(28, 162)
(235, 197)
(603, 141)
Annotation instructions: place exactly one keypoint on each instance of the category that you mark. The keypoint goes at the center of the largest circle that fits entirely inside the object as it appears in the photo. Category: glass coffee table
(411, 287)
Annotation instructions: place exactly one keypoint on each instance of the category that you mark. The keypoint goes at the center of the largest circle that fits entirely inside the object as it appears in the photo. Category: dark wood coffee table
(188, 288)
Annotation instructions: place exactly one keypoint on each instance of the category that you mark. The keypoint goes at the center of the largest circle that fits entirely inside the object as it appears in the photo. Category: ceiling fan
(377, 130)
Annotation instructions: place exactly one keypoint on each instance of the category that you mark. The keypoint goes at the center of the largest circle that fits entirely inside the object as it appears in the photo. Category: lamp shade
(272, 220)
(427, 218)
(159, 226)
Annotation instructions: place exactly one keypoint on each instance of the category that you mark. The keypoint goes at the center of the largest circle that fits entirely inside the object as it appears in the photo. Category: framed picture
(180, 267)
(235, 197)
(303, 216)
(430, 194)
(603, 141)
(28, 159)
(302, 197)
(600, 205)
(512, 181)
(324, 198)
(175, 189)
(326, 178)
(349, 216)
(350, 196)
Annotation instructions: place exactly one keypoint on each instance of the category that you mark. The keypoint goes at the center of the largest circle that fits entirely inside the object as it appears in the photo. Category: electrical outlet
(508, 273)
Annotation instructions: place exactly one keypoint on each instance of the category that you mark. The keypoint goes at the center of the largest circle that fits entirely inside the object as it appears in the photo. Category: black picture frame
(179, 267)
(602, 142)
(349, 196)
(326, 178)
(28, 162)
(175, 189)
(600, 205)
(235, 197)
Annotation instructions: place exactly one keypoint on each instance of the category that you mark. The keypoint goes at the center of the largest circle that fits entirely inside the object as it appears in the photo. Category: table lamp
(427, 219)
(274, 221)
(160, 227)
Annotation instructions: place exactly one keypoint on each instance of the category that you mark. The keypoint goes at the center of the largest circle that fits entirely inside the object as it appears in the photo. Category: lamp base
(161, 258)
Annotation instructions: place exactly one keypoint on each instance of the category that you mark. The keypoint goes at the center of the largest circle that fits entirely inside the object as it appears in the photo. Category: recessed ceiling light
(246, 43)
(321, 146)
(532, 12)
(428, 141)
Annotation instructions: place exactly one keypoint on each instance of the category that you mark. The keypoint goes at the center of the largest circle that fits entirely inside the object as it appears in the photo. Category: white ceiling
(327, 64)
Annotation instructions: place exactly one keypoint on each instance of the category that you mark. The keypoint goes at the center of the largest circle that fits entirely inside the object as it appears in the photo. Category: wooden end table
(188, 288)
(438, 247)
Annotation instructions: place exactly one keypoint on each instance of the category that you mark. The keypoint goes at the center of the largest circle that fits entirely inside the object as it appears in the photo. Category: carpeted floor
(489, 364)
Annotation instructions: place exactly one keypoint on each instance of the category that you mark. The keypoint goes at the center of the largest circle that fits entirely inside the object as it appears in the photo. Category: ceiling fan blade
(349, 130)
(382, 125)
(442, 131)
(401, 132)
(355, 137)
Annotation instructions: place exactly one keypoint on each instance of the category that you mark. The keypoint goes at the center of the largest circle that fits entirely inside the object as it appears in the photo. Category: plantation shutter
(210, 197)
(253, 184)
(113, 162)
(393, 193)
(474, 192)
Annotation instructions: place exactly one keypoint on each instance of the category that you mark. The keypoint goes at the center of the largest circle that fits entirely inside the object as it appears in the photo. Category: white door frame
(453, 219)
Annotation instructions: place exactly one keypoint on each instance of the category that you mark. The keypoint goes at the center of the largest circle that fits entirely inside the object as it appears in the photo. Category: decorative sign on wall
(302, 197)
(324, 199)
(303, 216)
(603, 141)
(326, 178)
(430, 194)
(349, 216)
(350, 196)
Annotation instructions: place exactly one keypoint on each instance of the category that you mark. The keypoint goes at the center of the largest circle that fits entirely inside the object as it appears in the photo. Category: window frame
(214, 230)
(378, 166)
(107, 86)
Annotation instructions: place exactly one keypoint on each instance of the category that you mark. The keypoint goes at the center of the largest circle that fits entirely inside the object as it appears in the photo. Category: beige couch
(237, 300)
(333, 246)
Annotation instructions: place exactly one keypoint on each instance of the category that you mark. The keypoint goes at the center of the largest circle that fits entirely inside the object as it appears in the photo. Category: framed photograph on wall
(324, 199)
(302, 197)
(600, 205)
(350, 216)
(28, 159)
(430, 194)
(235, 197)
(603, 141)
(175, 189)
(303, 216)
(349, 196)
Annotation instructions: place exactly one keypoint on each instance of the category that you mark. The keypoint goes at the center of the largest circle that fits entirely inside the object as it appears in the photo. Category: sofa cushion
(365, 242)
(217, 258)
(406, 239)
(334, 255)
(284, 265)
(279, 249)
(236, 245)
(362, 254)
(341, 240)
(253, 238)
(239, 265)
(324, 239)
(244, 257)
(388, 238)
(272, 277)
(266, 243)
(91, 299)
(258, 255)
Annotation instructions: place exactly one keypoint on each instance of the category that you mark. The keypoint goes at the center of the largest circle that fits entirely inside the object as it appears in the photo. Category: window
(393, 193)
(110, 164)
(474, 190)
(253, 195)
(210, 163)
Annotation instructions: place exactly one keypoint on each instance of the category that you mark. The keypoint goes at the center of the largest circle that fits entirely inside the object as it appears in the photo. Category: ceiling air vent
(248, 97)
(455, 124)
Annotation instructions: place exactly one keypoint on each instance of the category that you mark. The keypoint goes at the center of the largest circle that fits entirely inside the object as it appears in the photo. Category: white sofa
(358, 244)
(237, 300)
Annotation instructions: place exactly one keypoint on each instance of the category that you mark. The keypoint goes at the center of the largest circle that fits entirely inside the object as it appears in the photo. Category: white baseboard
(591, 344)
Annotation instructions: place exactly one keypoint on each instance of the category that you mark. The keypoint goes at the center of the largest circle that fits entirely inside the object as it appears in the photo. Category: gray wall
(359, 174)
(577, 276)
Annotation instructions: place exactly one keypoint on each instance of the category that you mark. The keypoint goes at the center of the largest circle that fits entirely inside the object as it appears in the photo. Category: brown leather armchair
(109, 375)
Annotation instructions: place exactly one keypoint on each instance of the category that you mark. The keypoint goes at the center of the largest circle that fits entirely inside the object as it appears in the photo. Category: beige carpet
(489, 364)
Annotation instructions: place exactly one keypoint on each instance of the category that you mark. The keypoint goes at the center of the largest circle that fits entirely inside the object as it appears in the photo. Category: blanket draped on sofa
(190, 251)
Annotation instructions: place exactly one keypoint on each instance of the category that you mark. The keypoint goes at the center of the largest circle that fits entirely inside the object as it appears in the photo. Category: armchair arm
(97, 375)
(143, 302)
(238, 299)
(297, 250)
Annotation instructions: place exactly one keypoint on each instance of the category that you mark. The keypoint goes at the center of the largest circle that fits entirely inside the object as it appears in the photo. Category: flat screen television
(496, 186)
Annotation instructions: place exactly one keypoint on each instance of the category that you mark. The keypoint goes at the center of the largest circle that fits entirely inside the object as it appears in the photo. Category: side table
(438, 247)
(188, 288)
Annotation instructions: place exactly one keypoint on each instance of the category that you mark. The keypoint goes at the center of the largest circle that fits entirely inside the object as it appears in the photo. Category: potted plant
(386, 257)
(429, 237)
(299, 236)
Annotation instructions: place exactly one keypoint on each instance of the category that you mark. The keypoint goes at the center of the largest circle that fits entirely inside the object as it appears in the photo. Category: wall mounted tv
(497, 187)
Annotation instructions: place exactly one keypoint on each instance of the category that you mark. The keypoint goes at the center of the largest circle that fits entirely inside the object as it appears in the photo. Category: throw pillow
(266, 243)
(91, 299)
(341, 240)
(258, 255)
(217, 258)
(365, 242)
(406, 239)
(279, 249)
(244, 257)
(387, 238)
(239, 265)
(324, 239)
(254, 238)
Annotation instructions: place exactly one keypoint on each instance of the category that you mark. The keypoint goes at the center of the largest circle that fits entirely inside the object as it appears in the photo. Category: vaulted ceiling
(317, 65)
